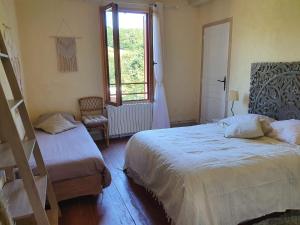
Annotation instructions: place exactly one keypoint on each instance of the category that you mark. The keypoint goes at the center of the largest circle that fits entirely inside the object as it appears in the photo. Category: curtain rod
(148, 4)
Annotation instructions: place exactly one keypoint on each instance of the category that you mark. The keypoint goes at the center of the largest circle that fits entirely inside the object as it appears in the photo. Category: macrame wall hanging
(66, 54)
(66, 50)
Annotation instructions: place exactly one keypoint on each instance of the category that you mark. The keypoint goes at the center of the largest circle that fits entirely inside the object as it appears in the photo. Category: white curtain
(160, 109)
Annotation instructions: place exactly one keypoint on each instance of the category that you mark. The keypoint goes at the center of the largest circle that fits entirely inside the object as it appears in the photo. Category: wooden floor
(123, 202)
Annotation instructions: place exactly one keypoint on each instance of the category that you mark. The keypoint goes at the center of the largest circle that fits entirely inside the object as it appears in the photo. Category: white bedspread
(202, 178)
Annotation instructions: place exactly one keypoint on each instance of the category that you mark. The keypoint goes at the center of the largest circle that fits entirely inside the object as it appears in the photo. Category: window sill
(136, 102)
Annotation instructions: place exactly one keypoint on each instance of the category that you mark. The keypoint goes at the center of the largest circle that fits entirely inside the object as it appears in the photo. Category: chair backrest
(91, 106)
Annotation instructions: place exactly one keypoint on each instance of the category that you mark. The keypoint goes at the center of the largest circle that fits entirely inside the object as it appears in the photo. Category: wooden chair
(92, 115)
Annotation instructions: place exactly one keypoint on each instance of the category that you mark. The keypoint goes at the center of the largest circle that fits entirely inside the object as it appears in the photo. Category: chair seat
(94, 121)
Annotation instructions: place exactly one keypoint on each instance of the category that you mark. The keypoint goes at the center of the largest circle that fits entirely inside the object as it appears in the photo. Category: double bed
(203, 178)
(74, 163)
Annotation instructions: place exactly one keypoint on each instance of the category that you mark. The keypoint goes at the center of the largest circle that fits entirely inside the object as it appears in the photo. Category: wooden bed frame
(80, 186)
(90, 183)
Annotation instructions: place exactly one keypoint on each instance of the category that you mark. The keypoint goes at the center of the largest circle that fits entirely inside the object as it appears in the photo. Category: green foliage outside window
(132, 55)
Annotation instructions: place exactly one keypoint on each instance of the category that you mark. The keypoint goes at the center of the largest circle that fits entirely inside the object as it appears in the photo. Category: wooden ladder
(26, 196)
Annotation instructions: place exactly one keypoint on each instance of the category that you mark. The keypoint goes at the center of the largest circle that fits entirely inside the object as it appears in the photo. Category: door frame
(218, 22)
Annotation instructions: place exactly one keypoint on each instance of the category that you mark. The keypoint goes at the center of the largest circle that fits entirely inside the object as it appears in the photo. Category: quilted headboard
(275, 90)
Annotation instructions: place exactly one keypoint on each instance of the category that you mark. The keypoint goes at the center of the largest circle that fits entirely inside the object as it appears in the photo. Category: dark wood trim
(133, 83)
(104, 41)
(150, 60)
(137, 93)
(133, 93)
(104, 53)
(117, 53)
(183, 123)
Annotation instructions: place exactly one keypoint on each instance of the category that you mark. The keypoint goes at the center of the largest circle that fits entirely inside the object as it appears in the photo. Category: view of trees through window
(132, 56)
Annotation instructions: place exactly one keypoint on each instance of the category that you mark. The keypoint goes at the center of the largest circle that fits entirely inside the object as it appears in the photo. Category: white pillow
(43, 117)
(264, 120)
(55, 124)
(286, 131)
(250, 128)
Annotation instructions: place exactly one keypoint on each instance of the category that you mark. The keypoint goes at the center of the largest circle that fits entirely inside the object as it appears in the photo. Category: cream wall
(263, 31)
(8, 17)
(182, 62)
(49, 90)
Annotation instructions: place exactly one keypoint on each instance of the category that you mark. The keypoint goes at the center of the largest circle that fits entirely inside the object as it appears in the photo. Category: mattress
(203, 178)
(71, 154)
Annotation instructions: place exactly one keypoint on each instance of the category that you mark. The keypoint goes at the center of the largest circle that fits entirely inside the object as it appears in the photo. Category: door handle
(224, 82)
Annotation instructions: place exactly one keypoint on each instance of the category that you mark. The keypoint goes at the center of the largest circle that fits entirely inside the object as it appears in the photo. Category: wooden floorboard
(122, 203)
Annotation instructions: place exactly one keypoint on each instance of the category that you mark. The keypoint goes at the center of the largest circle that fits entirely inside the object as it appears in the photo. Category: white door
(214, 72)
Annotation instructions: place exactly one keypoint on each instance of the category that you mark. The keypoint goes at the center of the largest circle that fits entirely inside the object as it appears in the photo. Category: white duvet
(202, 178)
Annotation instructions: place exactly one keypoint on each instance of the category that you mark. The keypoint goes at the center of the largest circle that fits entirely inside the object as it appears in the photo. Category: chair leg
(106, 135)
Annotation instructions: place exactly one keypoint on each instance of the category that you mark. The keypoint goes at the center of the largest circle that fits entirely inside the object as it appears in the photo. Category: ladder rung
(13, 104)
(18, 202)
(7, 159)
(52, 215)
(23, 203)
(2, 55)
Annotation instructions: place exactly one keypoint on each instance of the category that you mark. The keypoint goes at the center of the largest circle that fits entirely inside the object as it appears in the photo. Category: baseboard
(120, 136)
(184, 123)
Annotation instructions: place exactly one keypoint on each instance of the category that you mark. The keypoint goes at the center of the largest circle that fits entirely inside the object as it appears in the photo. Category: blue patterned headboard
(275, 90)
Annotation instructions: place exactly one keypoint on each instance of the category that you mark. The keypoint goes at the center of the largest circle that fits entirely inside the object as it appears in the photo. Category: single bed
(203, 178)
(74, 162)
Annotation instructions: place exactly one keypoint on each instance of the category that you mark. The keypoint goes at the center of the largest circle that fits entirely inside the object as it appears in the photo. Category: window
(127, 56)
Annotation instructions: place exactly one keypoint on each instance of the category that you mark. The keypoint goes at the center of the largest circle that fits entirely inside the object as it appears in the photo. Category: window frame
(115, 15)
(148, 54)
